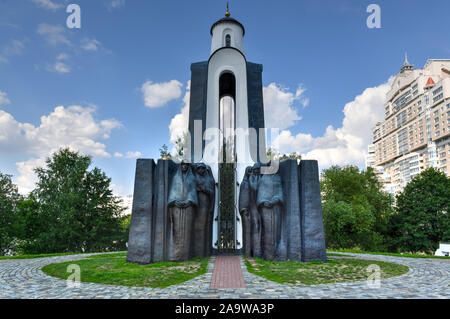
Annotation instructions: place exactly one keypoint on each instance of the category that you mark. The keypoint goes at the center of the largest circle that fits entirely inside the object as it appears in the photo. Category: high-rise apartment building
(415, 133)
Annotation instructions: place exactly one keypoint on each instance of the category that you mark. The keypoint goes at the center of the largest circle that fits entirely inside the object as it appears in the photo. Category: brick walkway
(227, 273)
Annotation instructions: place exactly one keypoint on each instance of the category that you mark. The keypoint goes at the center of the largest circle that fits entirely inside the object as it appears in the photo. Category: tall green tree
(9, 199)
(423, 208)
(356, 209)
(72, 208)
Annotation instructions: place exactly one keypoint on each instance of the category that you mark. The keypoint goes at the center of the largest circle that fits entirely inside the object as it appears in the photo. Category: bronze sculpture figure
(206, 191)
(182, 204)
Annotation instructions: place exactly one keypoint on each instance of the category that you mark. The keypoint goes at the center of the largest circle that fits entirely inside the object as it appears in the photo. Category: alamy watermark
(374, 20)
(74, 279)
(74, 19)
(374, 278)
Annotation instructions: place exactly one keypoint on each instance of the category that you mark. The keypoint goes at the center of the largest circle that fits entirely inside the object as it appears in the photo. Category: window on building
(401, 119)
(402, 100)
(437, 98)
(402, 138)
(228, 40)
(438, 90)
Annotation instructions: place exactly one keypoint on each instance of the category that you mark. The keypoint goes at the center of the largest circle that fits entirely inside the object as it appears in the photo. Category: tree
(71, 209)
(164, 152)
(422, 219)
(181, 146)
(9, 199)
(272, 154)
(356, 209)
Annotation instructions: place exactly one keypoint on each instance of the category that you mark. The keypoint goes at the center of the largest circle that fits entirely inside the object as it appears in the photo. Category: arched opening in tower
(227, 163)
(227, 120)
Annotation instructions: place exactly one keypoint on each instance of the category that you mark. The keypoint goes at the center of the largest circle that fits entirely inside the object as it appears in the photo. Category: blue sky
(320, 59)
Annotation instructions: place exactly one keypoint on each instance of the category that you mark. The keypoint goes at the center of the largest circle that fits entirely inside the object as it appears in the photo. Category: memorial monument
(226, 197)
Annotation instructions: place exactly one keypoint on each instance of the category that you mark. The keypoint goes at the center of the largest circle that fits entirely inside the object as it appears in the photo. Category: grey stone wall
(140, 242)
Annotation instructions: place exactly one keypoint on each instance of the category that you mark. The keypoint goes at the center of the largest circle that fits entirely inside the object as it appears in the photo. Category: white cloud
(346, 145)
(74, 127)
(180, 122)
(305, 102)
(125, 196)
(27, 179)
(60, 65)
(4, 98)
(55, 34)
(90, 44)
(133, 154)
(279, 111)
(15, 47)
(159, 94)
(48, 4)
(128, 155)
(113, 4)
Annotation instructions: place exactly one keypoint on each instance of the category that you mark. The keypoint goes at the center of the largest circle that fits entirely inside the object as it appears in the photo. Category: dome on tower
(227, 20)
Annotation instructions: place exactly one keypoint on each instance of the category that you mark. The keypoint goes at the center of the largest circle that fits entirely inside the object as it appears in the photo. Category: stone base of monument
(173, 208)
(303, 236)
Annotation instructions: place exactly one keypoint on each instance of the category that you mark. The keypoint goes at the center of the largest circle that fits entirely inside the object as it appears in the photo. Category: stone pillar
(164, 172)
(313, 236)
(291, 239)
(140, 241)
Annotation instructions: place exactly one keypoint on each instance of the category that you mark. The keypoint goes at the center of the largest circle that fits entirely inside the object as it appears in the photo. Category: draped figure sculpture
(244, 211)
(270, 206)
(261, 208)
(255, 217)
(182, 204)
(206, 191)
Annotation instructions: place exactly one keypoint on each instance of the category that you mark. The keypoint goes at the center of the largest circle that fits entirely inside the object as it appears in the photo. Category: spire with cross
(227, 14)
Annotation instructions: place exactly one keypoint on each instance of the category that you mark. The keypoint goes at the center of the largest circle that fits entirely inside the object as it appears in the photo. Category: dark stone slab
(255, 102)
(198, 100)
(313, 236)
(140, 236)
(161, 229)
(291, 236)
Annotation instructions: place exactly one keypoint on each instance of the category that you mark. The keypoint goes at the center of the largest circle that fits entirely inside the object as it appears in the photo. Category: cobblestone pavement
(427, 278)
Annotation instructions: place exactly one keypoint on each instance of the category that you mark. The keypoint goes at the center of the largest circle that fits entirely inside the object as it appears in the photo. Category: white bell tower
(226, 96)
(227, 32)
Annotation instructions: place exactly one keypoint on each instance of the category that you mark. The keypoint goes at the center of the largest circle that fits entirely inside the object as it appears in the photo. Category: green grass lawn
(357, 251)
(314, 273)
(113, 269)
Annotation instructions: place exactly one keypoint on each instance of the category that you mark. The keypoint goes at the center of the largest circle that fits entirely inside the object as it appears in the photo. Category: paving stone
(427, 278)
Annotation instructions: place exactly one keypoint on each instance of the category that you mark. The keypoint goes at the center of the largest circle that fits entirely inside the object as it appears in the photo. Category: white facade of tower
(219, 35)
(227, 56)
